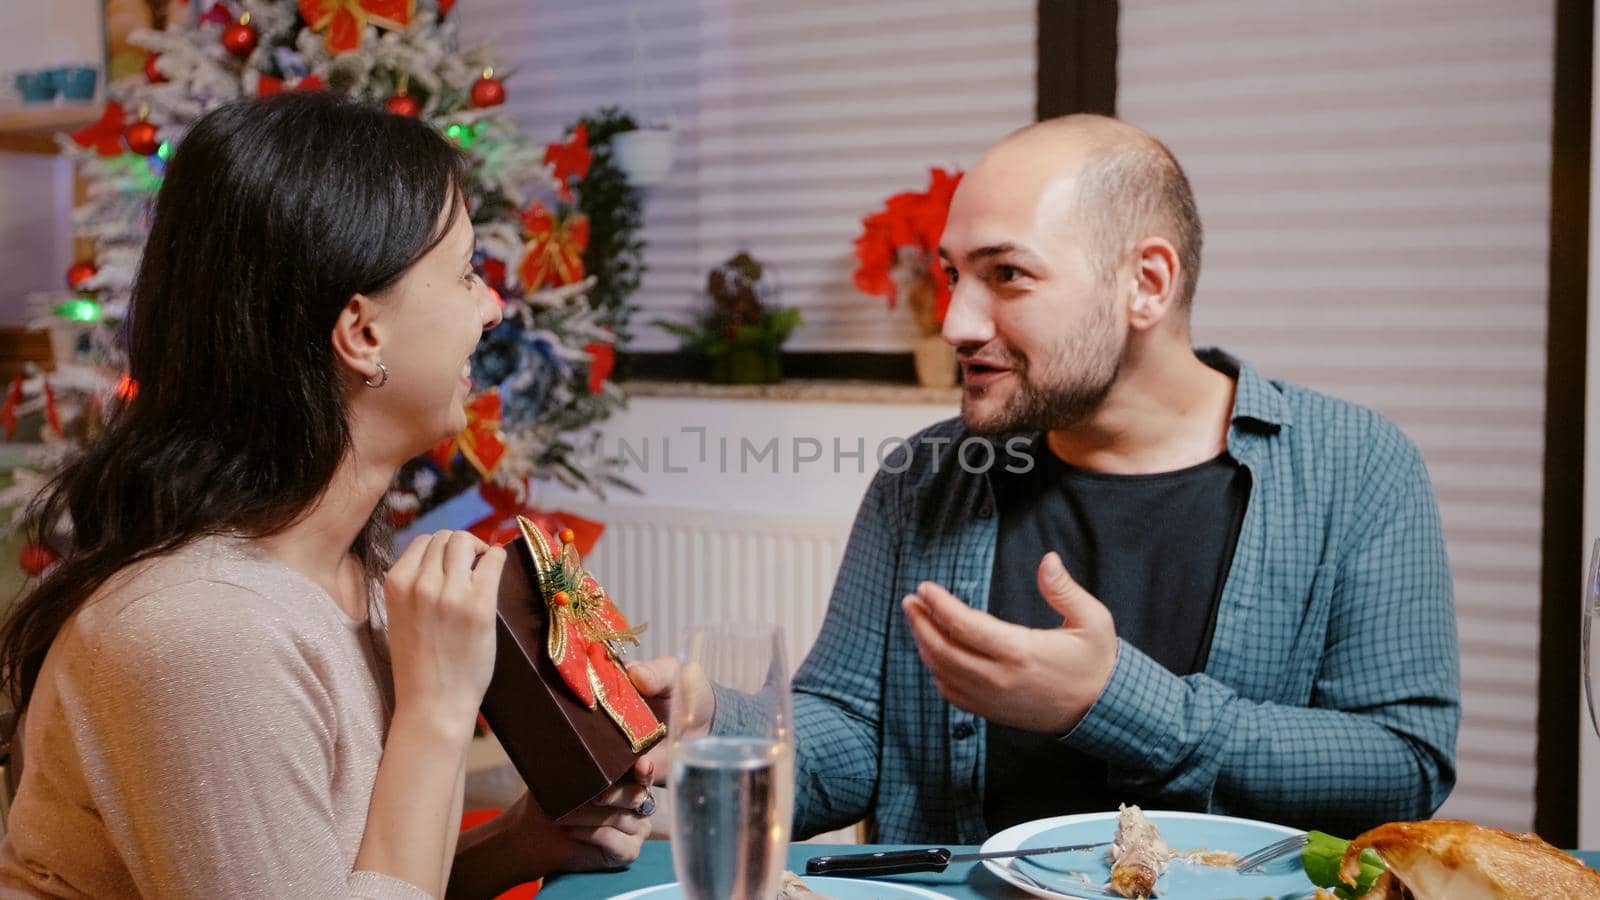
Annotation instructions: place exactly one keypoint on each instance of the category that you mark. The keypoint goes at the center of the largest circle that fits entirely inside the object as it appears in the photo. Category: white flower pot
(644, 155)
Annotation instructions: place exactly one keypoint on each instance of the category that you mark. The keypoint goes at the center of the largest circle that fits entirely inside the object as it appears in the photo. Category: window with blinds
(1373, 178)
(793, 121)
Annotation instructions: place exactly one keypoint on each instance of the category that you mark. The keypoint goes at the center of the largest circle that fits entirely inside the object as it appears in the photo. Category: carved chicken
(1138, 854)
(1450, 860)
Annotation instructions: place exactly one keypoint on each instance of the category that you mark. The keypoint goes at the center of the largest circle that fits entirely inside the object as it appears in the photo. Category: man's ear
(1156, 277)
(358, 338)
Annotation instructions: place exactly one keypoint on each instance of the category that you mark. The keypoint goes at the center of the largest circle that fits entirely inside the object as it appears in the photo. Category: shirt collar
(1256, 400)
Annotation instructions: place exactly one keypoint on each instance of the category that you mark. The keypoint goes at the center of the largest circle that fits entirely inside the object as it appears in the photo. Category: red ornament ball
(240, 38)
(150, 70)
(562, 598)
(568, 536)
(488, 90)
(35, 558)
(403, 105)
(142, 138)
(79, 272)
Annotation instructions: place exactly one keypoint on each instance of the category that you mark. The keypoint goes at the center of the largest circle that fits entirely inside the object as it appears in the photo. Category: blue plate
(1086, 874)
(837, 888)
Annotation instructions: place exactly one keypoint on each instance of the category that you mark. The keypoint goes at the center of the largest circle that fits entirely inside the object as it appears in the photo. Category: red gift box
(560, 702)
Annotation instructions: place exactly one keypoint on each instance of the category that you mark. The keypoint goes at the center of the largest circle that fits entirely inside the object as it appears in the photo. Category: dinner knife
(929, 859)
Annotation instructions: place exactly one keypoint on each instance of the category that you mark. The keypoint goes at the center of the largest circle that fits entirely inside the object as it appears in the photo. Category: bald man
(1200, 589)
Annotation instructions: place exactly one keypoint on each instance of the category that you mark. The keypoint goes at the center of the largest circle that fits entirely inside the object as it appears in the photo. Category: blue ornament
(290, 63)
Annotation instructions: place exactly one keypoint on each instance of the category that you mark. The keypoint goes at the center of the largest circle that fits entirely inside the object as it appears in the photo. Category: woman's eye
(470, 277)
(950, 275)
(1004, 273)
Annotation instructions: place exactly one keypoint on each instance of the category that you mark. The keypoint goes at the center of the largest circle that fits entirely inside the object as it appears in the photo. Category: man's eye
(1003, 273)
(950, 275)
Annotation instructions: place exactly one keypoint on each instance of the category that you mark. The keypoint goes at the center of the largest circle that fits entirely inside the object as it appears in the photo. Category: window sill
(799, 390)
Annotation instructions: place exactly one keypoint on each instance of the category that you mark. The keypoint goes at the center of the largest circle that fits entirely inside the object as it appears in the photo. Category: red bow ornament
(105, 136)
(507, 505)
(554, 254)
(343, 20)
(586, 635)
(569, 160)
(481, 442)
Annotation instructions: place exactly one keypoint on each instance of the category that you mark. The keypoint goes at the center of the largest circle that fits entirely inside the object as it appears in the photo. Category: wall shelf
(26, 129)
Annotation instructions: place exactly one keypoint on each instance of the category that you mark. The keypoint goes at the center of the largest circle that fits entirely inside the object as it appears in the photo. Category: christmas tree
(543, 375)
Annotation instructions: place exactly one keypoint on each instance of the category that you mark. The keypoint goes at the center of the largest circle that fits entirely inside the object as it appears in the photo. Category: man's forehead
(1008, 210)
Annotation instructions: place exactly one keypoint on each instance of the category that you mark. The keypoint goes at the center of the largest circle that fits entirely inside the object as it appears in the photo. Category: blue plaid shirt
(1330, 699)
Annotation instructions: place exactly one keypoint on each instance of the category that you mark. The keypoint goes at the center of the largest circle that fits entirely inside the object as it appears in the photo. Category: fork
(1272, 851)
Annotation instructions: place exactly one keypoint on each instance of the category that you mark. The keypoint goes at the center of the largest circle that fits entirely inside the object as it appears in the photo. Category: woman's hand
(441, 612)
(605, 834)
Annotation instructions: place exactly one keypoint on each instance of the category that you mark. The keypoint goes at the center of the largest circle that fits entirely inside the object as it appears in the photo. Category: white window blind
(794, 120)
(1373, 177)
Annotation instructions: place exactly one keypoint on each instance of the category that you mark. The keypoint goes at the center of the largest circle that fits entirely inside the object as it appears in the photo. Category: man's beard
(1073, 381)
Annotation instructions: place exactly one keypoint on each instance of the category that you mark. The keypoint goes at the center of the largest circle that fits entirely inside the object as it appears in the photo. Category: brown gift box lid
(566, 752)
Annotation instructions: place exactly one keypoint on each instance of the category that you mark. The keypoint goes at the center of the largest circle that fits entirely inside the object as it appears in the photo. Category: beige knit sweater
(208, 725)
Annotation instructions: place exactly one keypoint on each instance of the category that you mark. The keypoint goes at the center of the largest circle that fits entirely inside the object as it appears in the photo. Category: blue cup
(76, 82)
(36, 87)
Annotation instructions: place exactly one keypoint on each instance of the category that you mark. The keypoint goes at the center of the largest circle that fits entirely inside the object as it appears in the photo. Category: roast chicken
(1449, 860)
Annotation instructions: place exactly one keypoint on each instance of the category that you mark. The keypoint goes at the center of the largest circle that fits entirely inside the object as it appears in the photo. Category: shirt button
(962, 731)
(985, 510)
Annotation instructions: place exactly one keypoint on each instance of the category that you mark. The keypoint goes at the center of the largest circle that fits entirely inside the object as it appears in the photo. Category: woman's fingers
(404, 570)
(621, 796)
(486, 576)
(459, 552)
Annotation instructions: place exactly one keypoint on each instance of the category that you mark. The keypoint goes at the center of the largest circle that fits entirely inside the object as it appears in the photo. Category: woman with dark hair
(229, 690)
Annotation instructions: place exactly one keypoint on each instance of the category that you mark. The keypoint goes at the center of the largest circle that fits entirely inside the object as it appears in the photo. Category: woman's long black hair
(273, 213)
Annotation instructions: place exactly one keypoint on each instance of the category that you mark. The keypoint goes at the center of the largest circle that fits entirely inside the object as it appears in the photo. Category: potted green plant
(741, 335)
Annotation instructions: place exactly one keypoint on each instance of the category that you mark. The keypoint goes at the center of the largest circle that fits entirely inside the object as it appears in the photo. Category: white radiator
(674, 568)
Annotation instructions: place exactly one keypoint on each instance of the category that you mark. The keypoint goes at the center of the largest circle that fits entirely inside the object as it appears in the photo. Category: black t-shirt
(1155, 549)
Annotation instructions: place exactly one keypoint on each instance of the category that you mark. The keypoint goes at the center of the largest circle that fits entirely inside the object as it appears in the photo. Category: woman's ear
(357, 338)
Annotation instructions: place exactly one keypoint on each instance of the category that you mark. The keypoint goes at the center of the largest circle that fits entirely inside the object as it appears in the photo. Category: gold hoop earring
(383, 379)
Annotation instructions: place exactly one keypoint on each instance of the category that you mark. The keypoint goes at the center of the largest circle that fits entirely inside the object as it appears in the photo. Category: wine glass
(1591, 651)
(732, 788)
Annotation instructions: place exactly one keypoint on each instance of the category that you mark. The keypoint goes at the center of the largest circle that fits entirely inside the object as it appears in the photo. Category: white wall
(36, 191)
(1589, 744)
(35, 35)
(35, 240)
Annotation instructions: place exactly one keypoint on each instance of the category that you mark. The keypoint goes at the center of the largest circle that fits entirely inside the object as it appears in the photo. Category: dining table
(965, 881)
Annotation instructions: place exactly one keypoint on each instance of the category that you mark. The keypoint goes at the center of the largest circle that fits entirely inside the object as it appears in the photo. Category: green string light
(82, 309)
(464, 135)
(164, 151)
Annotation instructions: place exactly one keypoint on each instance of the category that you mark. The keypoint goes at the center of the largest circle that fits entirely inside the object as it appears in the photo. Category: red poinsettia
(906, 232)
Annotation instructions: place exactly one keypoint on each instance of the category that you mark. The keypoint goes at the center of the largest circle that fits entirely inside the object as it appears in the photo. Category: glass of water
(1591, 650)
(732, 788)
